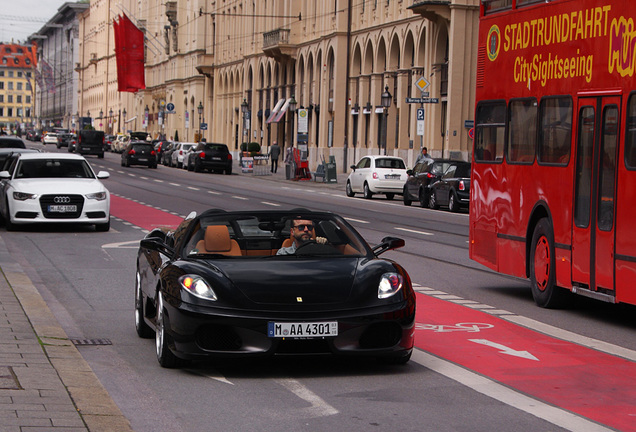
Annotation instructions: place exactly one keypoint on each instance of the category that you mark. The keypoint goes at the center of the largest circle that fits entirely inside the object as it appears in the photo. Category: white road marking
(133, 244)
(158, 180)
(143, 178)
(214, 192)
(175, 184)
(504, 349)
(414, 231)
(508, 396)
(357, 220)
(239, 197)
(318, 408)
(270, 203)
(193, 188)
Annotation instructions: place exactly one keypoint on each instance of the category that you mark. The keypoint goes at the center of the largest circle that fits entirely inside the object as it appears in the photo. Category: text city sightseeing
(563, 28)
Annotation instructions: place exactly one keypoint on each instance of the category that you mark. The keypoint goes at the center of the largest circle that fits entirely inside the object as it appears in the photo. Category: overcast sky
(21, 18)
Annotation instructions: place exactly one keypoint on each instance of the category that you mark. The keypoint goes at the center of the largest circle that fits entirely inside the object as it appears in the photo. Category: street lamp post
(146, 111)
(124, 114)
(200, 111)
(292, 109)
(110, 121)
(386, 103)
(244, 110)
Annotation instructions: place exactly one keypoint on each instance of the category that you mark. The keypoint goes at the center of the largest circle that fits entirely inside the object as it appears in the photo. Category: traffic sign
(170, 108)
(422, 100)
(204, 126)
(422, 83)
(420, 113)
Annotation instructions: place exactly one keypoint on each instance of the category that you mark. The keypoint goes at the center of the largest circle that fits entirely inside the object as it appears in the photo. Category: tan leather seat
(217, 241)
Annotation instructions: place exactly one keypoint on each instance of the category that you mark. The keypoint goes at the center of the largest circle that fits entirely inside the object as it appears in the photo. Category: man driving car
(302, 231)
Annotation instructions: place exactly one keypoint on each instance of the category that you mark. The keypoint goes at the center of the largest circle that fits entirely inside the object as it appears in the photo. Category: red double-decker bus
(553, 189)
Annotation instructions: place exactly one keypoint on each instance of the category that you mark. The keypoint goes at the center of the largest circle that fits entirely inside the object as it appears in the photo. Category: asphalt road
(87, 280)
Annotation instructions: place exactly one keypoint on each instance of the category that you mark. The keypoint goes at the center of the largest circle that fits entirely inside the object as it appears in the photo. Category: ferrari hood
(294, 281)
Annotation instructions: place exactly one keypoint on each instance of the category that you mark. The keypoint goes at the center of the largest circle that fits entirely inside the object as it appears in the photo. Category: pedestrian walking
(274, 154)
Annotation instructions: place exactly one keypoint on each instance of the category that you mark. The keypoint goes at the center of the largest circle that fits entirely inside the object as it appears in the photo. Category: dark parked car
(215, 287)
(160, 147)
(65, 139)
(139, 153)
(108, 142)
(421, 177)
(166, 153)
(8, 141)
(211, 156)
(452, 189)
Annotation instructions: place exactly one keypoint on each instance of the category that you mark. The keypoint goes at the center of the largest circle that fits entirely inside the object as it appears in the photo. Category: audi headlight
(23, 196)
(197, 286)
(390, 284)
(99, 196)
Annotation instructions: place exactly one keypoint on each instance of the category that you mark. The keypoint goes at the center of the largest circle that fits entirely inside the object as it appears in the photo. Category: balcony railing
(276, 44)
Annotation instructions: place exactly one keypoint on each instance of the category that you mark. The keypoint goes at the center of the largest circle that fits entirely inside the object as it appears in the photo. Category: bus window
(555, 134)
(490, 132)
(528, 2)
(496, 5)
(607, 173)
(630, 134)
(522, 128)
(584, 156)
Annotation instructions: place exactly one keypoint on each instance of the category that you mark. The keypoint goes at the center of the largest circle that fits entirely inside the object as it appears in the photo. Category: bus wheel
(543, 268)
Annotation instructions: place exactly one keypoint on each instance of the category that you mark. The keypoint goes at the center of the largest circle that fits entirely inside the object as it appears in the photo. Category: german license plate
(216, 158)
(306, 330)
(392, 176)
(143, 159)
(62, 208)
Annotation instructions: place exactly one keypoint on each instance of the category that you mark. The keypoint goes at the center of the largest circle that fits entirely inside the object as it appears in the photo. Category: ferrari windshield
(261, 234)
(53, 168)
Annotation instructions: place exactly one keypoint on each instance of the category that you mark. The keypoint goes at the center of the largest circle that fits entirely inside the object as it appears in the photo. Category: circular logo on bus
(493, 42)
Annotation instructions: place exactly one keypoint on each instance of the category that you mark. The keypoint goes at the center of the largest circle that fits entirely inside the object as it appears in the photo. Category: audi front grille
(60, 206)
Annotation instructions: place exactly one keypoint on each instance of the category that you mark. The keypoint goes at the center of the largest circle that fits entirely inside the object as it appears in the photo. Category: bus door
(594, 194)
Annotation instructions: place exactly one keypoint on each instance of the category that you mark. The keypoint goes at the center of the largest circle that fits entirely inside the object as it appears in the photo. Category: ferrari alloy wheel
(543, 268)
(143, 329)
(348, 190)
(165, 357)
(367, 191)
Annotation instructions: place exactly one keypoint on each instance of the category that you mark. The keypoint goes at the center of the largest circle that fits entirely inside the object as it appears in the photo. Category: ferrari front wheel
(165, 357)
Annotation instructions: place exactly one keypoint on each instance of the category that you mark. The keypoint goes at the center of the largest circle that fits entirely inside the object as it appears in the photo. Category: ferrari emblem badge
(299, 299)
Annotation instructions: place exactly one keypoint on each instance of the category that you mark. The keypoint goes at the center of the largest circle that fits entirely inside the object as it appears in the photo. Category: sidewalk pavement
(281, 176)
(45, 383)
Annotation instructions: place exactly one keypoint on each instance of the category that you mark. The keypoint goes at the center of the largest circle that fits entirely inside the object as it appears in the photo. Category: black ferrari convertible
(216, 286)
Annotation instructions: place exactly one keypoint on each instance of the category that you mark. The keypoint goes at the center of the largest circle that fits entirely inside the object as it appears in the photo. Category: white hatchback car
(49, 138)
(377, 175)
(180, 151)
(53, 188)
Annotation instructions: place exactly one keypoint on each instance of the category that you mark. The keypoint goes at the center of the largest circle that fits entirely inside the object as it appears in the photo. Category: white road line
(357, 220)
(318, 408)
(270, 204)
(214, 192)
(414, 231)
(193, 188)
(158, 181)
(143, 178)
(239, 197)
(175, 184)
(508, 396)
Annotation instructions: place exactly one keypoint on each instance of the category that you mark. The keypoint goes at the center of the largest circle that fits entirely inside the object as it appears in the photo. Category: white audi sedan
(376, 174)
(53, 188)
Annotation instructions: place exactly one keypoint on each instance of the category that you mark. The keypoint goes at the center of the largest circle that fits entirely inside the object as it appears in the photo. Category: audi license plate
(62, 208)
(304, 330)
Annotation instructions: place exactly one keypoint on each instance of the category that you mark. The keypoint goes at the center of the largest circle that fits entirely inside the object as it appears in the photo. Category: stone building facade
(16, 87)
(238, 62)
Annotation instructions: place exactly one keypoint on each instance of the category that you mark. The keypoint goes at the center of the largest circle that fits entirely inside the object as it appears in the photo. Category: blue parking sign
(420, 113)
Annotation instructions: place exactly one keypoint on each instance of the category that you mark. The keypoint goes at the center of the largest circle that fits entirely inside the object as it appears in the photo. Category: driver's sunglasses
(304, 227)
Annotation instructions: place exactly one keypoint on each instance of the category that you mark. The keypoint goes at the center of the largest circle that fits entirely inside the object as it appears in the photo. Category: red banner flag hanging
(129, 54)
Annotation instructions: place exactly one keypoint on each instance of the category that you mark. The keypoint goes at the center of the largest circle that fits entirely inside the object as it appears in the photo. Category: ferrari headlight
(99, 196)
(23, 196)
(197, 286)
(390, 284)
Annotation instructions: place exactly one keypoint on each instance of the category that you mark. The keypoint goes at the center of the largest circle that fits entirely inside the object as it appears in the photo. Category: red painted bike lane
(141, 215)
(595, 385)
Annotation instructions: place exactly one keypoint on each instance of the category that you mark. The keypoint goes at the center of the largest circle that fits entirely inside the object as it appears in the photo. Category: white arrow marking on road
(504, 349)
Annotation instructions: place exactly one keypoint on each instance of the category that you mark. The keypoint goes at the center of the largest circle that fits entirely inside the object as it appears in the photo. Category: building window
(28, 99)
(1, 85)
(19, 86)
(1, 98)
(19, 99)
(9, 112)
(10, 99)
(10, 83)
(19, 74)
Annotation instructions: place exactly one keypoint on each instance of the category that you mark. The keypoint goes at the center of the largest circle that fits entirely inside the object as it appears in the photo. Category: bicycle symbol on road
(465, 327)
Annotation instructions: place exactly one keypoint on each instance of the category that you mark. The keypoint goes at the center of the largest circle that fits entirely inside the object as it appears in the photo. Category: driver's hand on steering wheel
(321, 240)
